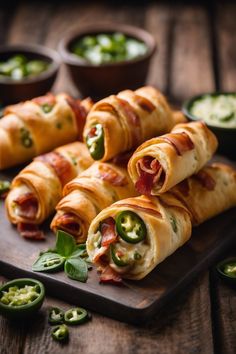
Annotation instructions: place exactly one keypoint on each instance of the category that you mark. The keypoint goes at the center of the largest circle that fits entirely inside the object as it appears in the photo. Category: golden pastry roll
(162, 162)
(84, 197)
(209, 192)
(37, 126)
(121, 122)
(36, 190)
(131, 237)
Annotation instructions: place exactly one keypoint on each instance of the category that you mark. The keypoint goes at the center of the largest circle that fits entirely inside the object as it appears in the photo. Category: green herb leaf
(80, 251)
(65, 244)
(48, 262)
(77, 269)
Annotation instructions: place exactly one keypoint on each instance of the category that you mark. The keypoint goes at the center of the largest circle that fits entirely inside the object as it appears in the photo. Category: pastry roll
(84, 197)
(120, 123)
(161, 163)
(34, 127)
(129, 238)
(209, 192)
(36, 190)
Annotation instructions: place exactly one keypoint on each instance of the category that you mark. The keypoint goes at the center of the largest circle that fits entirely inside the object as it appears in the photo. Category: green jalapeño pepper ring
(227, 270)
(4, 187)
(60, 333)
(130, 227)
(21, 298)
(118, 257)
(95, 142)
(56, 315)
(75, 316)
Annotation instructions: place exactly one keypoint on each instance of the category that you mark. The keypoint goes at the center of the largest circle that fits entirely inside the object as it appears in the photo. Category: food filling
(95, 142)
(70, 223)
(16, 296)
(150, 173)
(119, 244)
(218, 110)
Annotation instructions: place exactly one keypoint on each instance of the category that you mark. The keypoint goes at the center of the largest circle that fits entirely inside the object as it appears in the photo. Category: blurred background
(195, 40)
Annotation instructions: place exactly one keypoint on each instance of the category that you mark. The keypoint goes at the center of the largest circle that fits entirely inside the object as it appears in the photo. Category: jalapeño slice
(130, 227)
(95, 142)
(75, 316)
(118, 257)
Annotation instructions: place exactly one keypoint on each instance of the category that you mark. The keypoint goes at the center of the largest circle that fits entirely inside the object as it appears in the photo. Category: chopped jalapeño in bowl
(108, 48)
(18, 67)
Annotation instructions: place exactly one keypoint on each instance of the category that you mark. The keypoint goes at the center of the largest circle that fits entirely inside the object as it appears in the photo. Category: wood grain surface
(192, 37)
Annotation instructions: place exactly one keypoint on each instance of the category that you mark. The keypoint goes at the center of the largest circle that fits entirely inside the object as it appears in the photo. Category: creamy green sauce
(218, 110)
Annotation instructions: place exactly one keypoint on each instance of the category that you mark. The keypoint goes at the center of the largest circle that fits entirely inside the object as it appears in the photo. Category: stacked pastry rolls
(161, 163)
(84, 197)
(36, 190)
(121, 122)
(131, 237)
(34, 127)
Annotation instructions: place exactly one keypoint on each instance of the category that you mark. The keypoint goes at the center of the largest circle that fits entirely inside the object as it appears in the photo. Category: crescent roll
(161, 163)
(209, 192)
(36, 190)
(129, 238)
(34, 127)
(121, 122)
(84, 197)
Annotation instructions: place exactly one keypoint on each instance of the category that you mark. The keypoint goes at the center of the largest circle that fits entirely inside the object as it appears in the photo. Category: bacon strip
(80, 114)
(108, 232)
(205, 179)
(46, 99)
(144, 103)
(69, 222)
(60, 164)
(149, 172)
(144, 209)
(28, 205)
(108, 174)
(180, 141)
(110, 276)
(30, 231)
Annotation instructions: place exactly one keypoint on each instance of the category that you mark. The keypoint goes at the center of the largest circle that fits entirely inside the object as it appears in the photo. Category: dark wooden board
(134, 302)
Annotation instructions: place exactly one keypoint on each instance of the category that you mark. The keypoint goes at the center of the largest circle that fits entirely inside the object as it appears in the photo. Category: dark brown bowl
(102, 80)
(12, 91)
(226, 136)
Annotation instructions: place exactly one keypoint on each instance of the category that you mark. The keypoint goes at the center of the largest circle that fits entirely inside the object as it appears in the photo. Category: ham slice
(27, 205)
(30, 231)
(149, 172)
(60, 164)
(180, 141)
(110, 276)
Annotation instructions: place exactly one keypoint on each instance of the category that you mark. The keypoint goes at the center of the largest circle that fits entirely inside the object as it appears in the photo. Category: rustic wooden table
(196, 53)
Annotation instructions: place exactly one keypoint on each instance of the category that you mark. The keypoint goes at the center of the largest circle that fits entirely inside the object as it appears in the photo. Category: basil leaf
(80, 251)
(65, 244)
(76, 269)
(48, 262)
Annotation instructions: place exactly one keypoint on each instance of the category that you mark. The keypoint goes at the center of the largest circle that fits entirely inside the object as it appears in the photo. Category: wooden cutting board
(134, 302)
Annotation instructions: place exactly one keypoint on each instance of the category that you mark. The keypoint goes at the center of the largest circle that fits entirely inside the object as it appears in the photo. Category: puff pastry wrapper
(85, 196)
(208, 193)
(129, 118)
(37, 126)
(161, 239)
(162, 162)
(36, 190)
